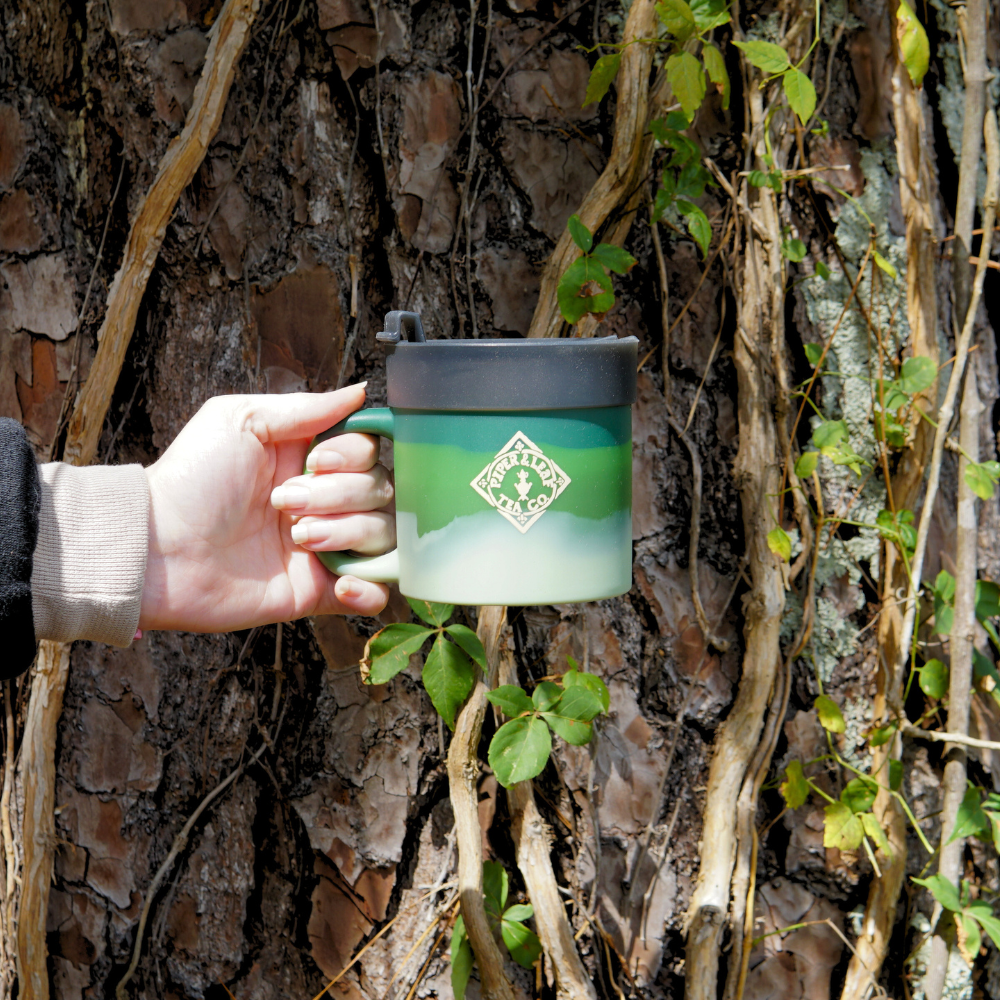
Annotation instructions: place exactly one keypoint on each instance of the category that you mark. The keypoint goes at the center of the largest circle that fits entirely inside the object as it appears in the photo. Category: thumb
(296, 416)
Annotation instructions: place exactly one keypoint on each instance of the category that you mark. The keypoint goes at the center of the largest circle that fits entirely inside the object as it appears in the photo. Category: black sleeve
(20, 497)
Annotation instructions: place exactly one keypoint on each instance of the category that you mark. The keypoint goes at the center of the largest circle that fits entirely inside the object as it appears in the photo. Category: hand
(221, 557)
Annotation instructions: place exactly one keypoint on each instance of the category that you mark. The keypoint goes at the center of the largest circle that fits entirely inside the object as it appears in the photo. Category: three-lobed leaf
(601, 77)
(448, 677)
(388, 652)
(800, 92)
(520, 750)
(766, 56)
(830, 716)
(584, 288)
(687, 80)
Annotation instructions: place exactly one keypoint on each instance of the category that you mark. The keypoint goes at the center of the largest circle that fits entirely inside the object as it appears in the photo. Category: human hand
(221, 556)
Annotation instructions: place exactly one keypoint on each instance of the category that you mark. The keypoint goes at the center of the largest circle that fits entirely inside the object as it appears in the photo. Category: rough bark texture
(337, 188)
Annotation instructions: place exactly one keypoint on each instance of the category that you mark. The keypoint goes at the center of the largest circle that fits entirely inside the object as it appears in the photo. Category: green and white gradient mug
(513, 468)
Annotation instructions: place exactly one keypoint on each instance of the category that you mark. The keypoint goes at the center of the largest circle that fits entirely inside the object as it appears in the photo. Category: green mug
(513, 468)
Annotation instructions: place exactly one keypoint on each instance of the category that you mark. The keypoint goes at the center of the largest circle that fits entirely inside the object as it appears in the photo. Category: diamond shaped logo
(520, 482)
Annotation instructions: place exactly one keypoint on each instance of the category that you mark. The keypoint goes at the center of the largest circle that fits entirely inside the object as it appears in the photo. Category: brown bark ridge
(629, 160)
(463, 772)
(48, 679)
(759, 334)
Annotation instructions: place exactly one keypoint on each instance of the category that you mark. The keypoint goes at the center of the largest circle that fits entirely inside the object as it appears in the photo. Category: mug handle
(374, 569)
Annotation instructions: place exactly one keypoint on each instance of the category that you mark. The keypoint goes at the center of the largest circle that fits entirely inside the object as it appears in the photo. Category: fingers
(298, 415)
(339, 493)
(344, 453)
(370, 533)
(359, 597)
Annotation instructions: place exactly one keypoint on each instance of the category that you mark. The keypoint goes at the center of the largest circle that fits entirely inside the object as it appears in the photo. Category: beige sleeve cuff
(90, 560)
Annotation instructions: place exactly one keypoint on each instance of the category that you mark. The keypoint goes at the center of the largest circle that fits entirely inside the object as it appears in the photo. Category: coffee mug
(513, 468)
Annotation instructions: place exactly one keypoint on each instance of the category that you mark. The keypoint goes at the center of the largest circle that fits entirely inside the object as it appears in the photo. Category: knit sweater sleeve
(90, 560)
(19, 506)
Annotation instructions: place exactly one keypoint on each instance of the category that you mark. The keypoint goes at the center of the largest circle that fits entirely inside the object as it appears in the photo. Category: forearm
(90, 558)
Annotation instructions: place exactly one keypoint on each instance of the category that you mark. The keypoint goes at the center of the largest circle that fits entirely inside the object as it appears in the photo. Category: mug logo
(520, 482)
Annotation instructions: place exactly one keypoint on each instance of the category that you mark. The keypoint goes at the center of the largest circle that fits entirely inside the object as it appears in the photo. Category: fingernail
(329, 461)
(350, 588)
(290, 497)
(300, 533)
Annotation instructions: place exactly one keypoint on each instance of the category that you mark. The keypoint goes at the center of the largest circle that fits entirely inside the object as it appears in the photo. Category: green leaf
(942, 890)
(389, 650)
(779, 543)
(545, 695)
(973, 935)
(882, 735)
(944, 596)
(841, 828)
(897, 528)
(987, 600)
(461, 959)
(522, 943)
(692, 180)
(933, 679)
(992, 927)
(584, 288)
(794, 250)
(614, 258)
(580, 233)
(859, 794)
(687, 80)
(511, 700)
(978, 479)
(970, 820)
(710, 14)
(873, 828)
(570, 717)
(913, 44)
(916, 375)
(944, 619)
(794, 789)
(469, 641)
(495, 888)
(698, 225)
(822, 270)
(813, 353)
(830, 716)
(895, 775)
(591, 681)
(800, 92)
(601, 77)
(829, 433)
(519, 750)
(433, 614)
(765, 56)
(756, 178)
(677, 18)
(448, 678)
(806, 465)
(715, 66)
(944, 586)
(519, 911)
(884, 264)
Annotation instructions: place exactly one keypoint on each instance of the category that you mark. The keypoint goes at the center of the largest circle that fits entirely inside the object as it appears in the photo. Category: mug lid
(512, 374)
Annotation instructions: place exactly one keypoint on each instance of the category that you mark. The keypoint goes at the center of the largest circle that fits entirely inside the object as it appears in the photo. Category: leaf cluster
(586, 286)
(450, 668)
(506, 922)
(773, 61)
(520, 748)
(971, 916)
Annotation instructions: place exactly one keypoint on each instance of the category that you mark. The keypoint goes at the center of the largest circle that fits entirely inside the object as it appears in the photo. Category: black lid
(508, 374)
